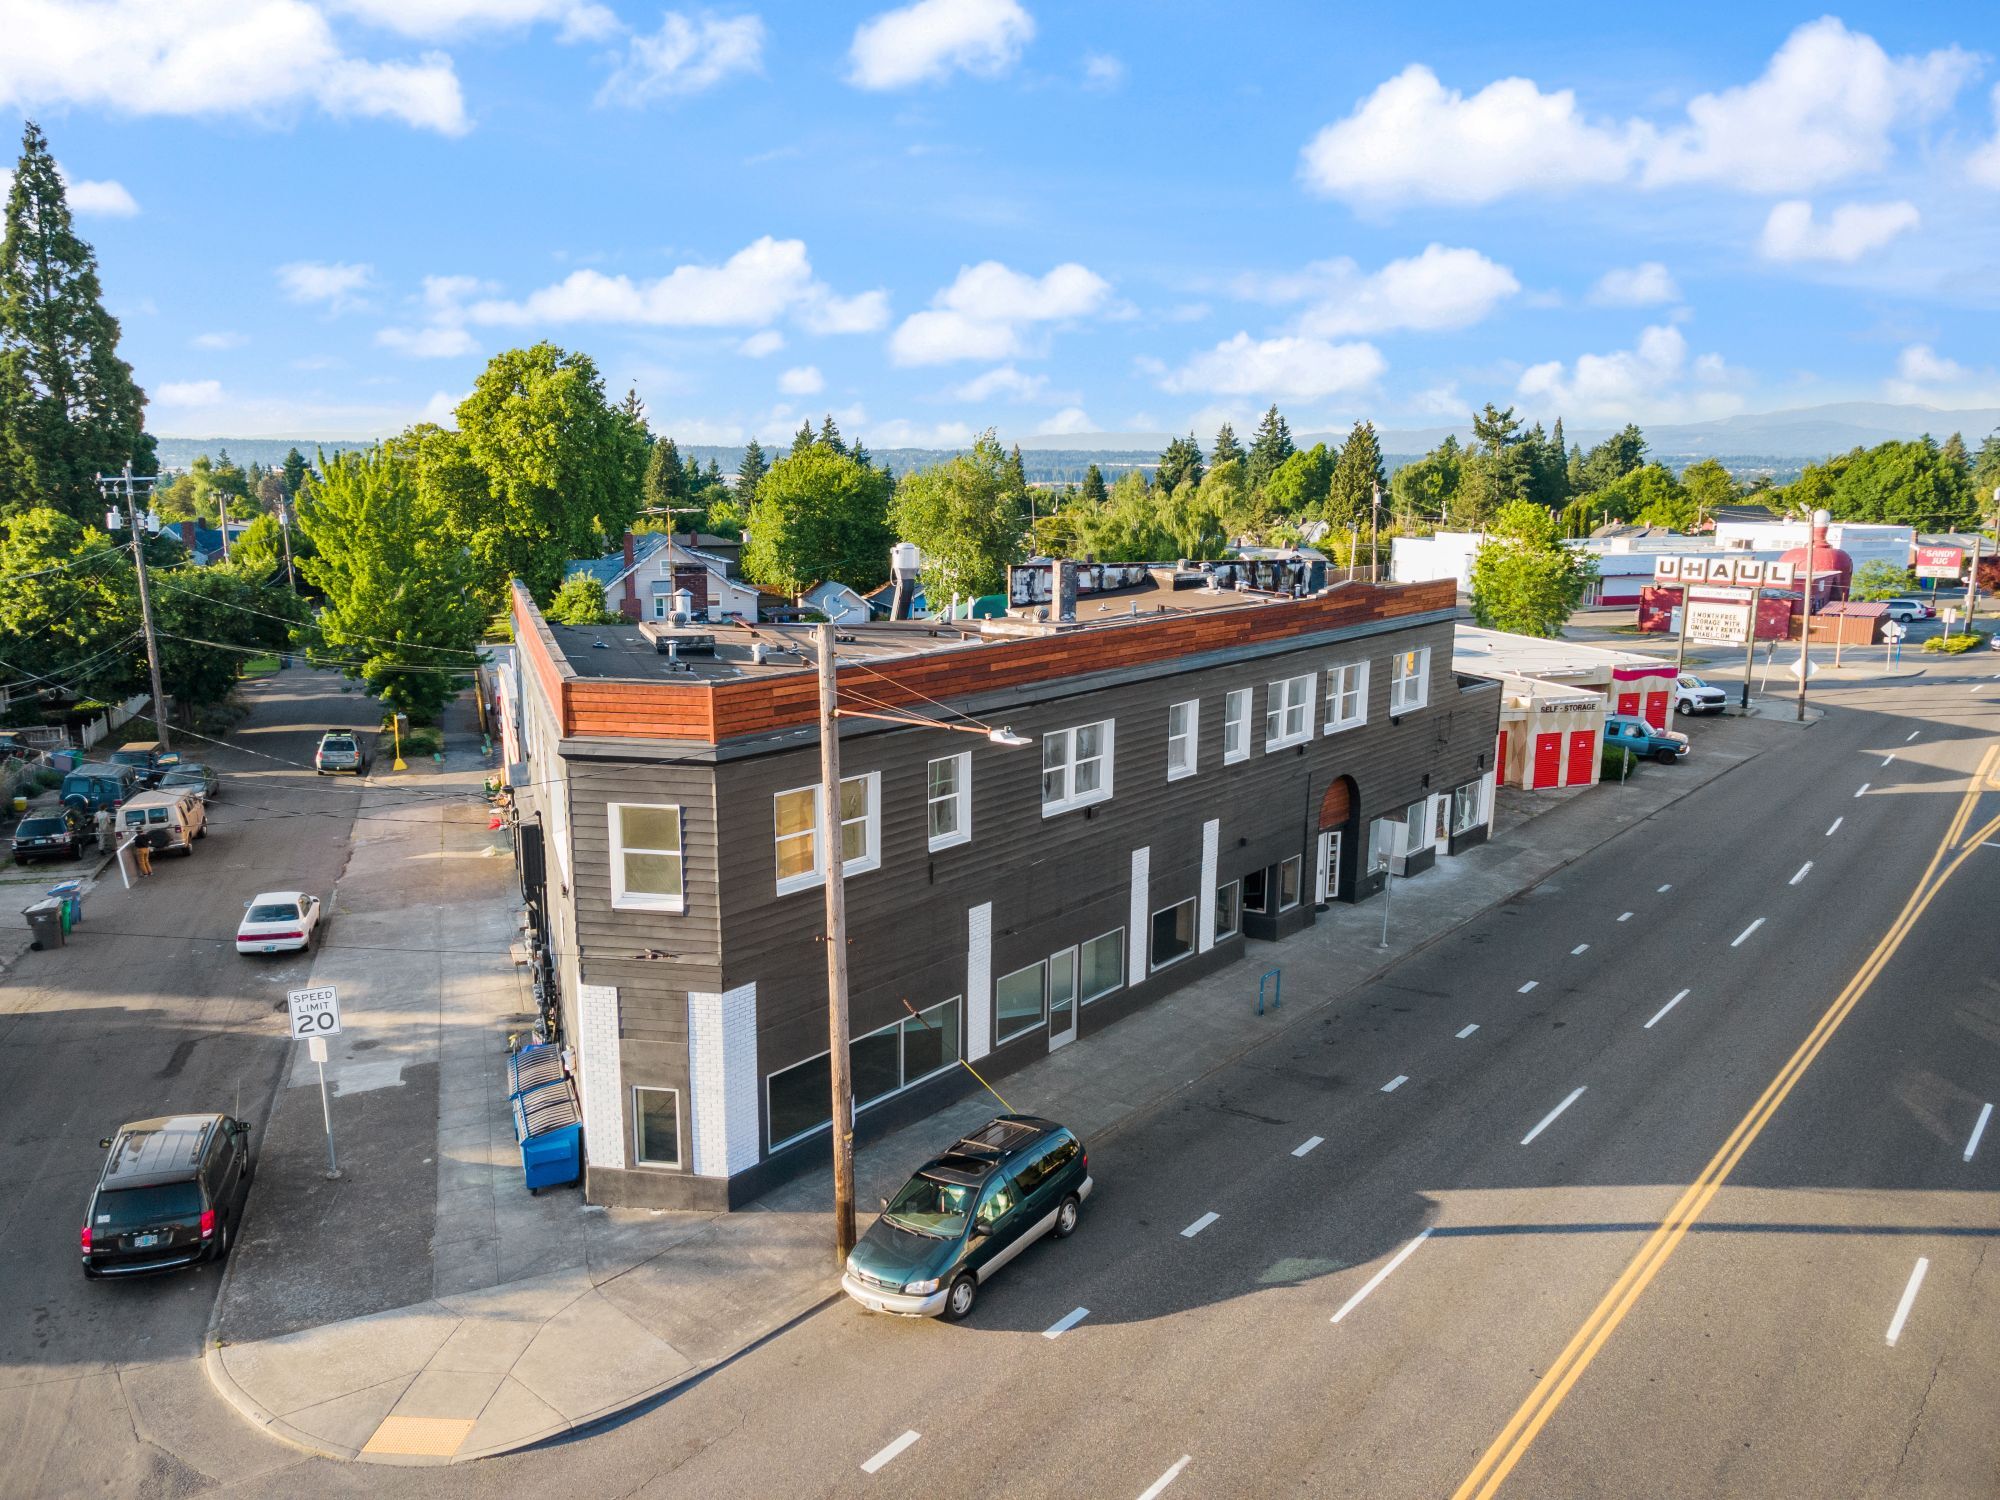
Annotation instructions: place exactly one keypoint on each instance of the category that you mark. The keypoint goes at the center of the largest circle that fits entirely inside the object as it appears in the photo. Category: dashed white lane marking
(1663, 890)
(1665, 1008)
(1380, 1276)
(874, 1465)
(1913, 734)
(1836, 827)
(1804, 870)
(1199, 1225)
(1625, 917)
(1528, 986)
(1468, 1031)
(1985, 1114)
(1065, 1323)
(1889, 757)
(1862, 789)
(1909, 1299)
(1746, 932)
(1579, 948)
(1550, 1118)
(1154, 1489)
(1308, 1144)
(1395, 1083)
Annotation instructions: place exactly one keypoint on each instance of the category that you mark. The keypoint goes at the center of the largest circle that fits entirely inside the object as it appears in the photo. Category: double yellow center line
(1514, 1440)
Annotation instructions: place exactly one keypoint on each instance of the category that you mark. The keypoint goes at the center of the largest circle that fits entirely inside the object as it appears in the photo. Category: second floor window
(1288, 713)
(1409, 680)
(645, 857)
(796, 817)
(1236, 726)
(950, 795)
(1346, 695)
(1183, 720)
(1076, 766)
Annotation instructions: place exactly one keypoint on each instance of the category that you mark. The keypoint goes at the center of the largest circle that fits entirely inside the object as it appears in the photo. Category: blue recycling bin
(550, 1132)
(70, 894)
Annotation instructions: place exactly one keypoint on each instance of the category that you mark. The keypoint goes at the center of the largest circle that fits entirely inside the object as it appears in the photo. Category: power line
(372, 640)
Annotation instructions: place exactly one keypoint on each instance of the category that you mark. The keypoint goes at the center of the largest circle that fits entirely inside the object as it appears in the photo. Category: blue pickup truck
(1630, 732)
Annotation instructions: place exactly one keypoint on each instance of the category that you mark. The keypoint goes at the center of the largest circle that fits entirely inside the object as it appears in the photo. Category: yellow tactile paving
(429, 1437)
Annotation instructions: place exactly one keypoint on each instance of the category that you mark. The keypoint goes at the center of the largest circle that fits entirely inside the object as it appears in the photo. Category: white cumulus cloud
(1926, 378)
(1983, 166)
(1793, 233)
(1829, 105)
(1441, 288)
(334, 283)
(770, 341)
(1922, 365)
(1002, 380)
(685, 56)
(575, 20)
(109, 200)
(447, 342)
(985, 311)
(1070, 419)
(1643, 285)
(1652, 381)
(928, 41)
(188, 393)
(864, 312)
(1298, 368)
(804, 380)
(199, 58)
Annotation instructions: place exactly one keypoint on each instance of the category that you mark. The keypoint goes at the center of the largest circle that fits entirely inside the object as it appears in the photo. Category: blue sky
(318, 217)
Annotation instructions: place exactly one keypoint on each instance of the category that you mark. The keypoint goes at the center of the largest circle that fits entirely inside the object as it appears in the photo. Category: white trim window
(656, 1127)
(948, 791)
(1288, 713)
(1101, 962)
(1076, 766)
(1183, 724)
(796, 821)
(647, 870)
(1236, 726)
(1346, 696)
(1409, 680)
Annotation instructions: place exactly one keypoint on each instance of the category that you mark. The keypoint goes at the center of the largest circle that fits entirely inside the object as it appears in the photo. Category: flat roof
(1486, 652)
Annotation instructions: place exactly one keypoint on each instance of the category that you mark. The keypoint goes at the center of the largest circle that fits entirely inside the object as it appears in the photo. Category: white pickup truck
(1693, 696)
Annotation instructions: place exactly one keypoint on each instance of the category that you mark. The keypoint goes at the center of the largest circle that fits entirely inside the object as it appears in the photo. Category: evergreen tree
(829, 435)
(1226, 446)
(691, 479)
(295, 473)
(1986, 470)
(1614, 458)
(1093, 492)
(1955, 458)
(1270, 446)
(802, 439)
(1180, 464)
(1573, 477)
(750, 473)
(69, 408)
(665, 487)
(1357, 476)
(632, 408)
(861, 455)
(1013, 476)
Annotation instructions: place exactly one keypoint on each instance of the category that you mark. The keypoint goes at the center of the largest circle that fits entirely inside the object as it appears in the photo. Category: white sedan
(278, 922)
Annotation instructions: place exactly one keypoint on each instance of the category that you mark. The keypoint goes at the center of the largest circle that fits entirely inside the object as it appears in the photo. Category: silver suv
(340, 750)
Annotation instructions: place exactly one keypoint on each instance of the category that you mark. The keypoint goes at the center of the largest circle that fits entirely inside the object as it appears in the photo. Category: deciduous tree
(964, 519)
(1523, 578)
(819, 515)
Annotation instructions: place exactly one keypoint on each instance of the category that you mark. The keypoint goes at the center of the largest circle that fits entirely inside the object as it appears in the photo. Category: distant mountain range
(1776, 442)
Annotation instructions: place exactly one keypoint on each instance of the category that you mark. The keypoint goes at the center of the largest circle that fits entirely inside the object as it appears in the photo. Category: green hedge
(1956, 645)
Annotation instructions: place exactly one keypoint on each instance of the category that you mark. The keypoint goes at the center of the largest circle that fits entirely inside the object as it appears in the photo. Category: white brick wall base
(722, 1073)
(597, 1062)
(1136, 934)
(1211, 842)
(978, 981)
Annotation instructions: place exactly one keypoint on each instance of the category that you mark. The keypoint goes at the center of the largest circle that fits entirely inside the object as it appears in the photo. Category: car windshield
(37, 827)
(140, 1207)
(930, 1207)
(274, 911)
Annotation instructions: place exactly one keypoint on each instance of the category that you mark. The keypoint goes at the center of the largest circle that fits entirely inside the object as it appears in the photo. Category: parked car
(148, 758)
(13, 747)
(165, 820)
(192, 776)
(1693, 696)
(966, 1214)
(98, 783)
(340, 750)
(1630, 732)
(171, 1193)
(55, 835)
(1906, 610)
(278, 922)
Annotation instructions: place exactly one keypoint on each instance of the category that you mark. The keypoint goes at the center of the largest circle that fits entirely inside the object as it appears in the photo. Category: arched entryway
(1335, 852)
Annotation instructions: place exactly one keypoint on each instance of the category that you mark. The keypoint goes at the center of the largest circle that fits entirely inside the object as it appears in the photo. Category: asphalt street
(1368, 1317)
(149, 1011)
(1622, 1189)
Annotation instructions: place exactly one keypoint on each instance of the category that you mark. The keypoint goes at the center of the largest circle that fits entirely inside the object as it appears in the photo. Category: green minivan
(966, 1214)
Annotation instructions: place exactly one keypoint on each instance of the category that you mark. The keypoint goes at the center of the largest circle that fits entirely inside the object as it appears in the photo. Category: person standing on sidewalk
(104, 824)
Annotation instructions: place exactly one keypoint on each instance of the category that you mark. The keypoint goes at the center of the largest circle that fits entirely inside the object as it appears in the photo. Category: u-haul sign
(1733, 572)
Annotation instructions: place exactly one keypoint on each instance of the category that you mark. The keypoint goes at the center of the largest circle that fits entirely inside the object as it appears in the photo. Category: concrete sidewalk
(526, 1318)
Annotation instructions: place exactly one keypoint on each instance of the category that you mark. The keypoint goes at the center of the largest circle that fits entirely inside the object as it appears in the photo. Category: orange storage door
(1548, 760)
(1582, 745)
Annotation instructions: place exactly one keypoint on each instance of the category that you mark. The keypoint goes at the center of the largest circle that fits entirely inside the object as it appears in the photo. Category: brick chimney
(629, 605)
(187, 535)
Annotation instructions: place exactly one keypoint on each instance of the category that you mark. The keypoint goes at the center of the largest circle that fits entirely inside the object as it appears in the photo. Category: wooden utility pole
(145, 606)
(838, 1058)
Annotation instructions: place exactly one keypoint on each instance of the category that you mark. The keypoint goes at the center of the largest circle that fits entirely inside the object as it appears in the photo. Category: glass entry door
(1327, 884)
(1062, 998)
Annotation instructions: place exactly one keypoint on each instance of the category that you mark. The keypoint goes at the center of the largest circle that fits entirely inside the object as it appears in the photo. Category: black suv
(171, 1194)
(50, 835)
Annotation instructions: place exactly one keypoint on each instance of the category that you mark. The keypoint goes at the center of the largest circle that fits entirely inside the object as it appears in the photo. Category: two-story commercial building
(1204, 764)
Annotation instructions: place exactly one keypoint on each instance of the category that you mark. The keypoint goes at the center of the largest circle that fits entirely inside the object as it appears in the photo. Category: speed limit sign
(314, 1013)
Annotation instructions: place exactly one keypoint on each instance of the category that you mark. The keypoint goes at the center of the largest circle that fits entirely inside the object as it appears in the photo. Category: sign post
(1892, 638)
(315, 1016)
(1732, 572)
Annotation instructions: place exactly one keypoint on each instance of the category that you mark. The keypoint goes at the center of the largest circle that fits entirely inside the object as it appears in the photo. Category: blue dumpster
(550, 1132)
(531, 1067)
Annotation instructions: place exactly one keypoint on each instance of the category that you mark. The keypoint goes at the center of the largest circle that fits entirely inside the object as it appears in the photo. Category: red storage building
(1555, 695)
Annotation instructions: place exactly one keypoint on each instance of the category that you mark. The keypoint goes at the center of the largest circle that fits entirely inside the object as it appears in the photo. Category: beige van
(165, 820)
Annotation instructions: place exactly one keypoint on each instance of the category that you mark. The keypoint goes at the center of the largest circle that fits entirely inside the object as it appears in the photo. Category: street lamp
(838, 1061)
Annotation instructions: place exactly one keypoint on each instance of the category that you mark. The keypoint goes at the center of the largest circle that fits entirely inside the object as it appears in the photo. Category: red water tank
(1831, 571)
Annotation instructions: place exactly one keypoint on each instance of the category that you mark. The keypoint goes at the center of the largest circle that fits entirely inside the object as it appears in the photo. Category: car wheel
(221, 1251)
(1664, 757)
(1066, 1217)
(1684, 708)
(958, 1301)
